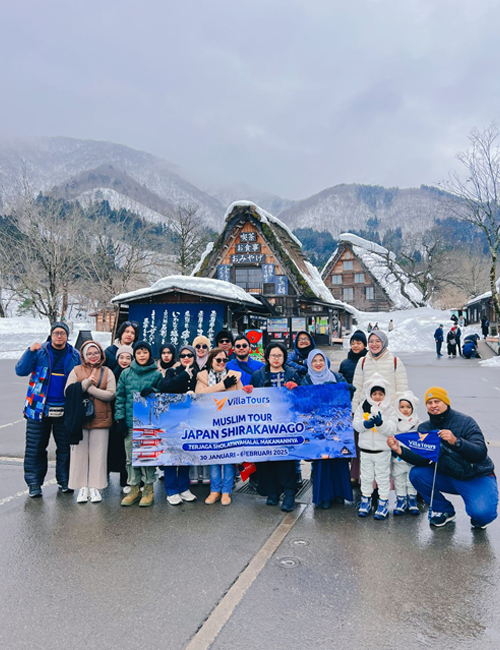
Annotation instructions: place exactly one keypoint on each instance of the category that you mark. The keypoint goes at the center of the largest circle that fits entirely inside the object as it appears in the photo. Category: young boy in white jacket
(375, 419)
(408, 420)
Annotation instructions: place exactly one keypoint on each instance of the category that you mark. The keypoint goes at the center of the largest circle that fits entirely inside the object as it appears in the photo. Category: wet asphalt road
(101, 576)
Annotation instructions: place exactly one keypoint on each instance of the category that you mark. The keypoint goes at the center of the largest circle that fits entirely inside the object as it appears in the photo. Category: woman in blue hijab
(331, 478)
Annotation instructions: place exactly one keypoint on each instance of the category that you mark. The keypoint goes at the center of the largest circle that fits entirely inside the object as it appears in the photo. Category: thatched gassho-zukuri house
(258, 252)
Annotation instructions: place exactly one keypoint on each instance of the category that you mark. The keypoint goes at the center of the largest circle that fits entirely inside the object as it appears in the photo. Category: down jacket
(392, 370)
(133, 380)
(375, 438)
(467, 458)
(38, 365)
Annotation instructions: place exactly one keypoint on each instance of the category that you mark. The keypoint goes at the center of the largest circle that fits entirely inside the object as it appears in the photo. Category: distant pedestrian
(458, 336)
(49, 365)
(369, 328)
(451, 342)
(439, 338)
(375, 327)
(461, 321)
(469, 349)
(391, 325)
(485, 326)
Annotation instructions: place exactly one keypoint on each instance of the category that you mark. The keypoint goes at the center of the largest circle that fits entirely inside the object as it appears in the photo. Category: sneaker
(95, 495)
(382, 512)
(412, 504)
(226, 499)
(83, 495)
(365, 507)
(439, 519)
(401, 506)
(187, 495)
(34, 491)
(194, 481)
(65, 489)
(205, 481)
(476, 526)
(212, 498)
(174, 499)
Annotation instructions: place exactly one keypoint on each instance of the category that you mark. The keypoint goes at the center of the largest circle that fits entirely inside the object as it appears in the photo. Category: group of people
(86, 399)
(468, 349)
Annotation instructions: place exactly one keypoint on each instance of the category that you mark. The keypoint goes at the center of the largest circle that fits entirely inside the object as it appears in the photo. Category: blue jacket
(37, 364)
(262, 378)
(438, 334)
(467, 458)
(251, 364)
(348, 366)
(297, 359)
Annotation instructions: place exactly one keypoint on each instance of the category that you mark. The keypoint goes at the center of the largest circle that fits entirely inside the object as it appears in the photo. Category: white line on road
(484, 379)
(23, 493)
(9, 424)
(211, 628)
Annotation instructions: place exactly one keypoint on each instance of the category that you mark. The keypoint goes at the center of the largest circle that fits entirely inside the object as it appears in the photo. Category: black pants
(35, 455)
(275, 477)
(438, 347)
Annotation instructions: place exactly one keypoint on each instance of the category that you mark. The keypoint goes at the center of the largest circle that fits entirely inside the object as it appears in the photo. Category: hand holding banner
(425, 444)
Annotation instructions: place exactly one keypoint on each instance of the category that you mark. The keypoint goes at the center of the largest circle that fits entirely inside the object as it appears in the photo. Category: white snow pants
(376, 467)
(401, 477)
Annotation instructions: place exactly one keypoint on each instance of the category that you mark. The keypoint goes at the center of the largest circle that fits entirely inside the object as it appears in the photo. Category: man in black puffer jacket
(464, 466)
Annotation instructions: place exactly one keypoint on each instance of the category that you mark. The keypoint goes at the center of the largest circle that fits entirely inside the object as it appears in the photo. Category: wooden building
(366, 276)
(481, 306)
(257, 252)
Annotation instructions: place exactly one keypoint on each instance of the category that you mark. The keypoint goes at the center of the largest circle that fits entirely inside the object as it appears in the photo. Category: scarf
(216, 377)
(439, 419)
(201, 361)
(325, 375)
(356, 356)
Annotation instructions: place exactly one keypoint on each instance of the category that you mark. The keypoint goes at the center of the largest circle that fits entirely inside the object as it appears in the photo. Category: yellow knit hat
(437, 393)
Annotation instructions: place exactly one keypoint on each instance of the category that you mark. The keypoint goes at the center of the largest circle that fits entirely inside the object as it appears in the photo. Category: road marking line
(222, 612)
(9, 424)
(484, 379)
(496, 388)
(24, 493)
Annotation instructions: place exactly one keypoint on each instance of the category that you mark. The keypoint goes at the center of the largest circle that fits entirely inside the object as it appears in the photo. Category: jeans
(176, 479)
(438, 347)
(222, 476)
(480, 494)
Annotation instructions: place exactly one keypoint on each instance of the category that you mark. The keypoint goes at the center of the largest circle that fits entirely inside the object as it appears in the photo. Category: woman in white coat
(379, 360)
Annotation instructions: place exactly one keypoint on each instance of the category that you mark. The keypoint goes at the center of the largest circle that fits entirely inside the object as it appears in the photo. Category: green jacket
(133, 380)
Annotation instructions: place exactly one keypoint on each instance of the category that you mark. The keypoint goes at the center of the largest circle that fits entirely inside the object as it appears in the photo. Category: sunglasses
(224, 341)
(242, 346)
(131, 323)
(186, 356)
(220, 360)
(201, 346)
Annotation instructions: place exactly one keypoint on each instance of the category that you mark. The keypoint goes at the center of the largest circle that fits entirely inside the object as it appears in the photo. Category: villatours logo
(249, 400)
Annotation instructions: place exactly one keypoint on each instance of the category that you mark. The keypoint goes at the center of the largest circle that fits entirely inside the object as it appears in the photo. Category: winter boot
(382, 511)
(365, 507)
(148, 496)
(412, 505)
(132, 497)
(401, 506)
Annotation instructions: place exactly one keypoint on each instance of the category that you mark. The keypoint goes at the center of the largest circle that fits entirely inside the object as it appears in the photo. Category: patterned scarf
(216, 377)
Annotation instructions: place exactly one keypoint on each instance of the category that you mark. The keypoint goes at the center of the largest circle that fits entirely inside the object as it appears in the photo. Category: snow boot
(412, 505)
(382, 511)
(365, 507)
(401, 506)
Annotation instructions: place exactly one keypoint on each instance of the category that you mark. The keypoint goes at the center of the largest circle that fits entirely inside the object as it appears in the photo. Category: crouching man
(463, 467)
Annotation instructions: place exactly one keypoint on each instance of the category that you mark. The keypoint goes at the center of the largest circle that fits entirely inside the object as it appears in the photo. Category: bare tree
(477, 196)
(190, 236)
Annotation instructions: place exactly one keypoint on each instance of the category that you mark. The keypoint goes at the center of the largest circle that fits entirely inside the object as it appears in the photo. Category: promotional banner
(425, 444)
(308, 422)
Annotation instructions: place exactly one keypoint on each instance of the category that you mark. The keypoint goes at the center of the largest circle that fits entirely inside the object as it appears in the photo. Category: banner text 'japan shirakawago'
(309, 422)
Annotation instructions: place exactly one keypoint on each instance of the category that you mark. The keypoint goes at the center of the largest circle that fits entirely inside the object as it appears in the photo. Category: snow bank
(413, 328)
(494, 362)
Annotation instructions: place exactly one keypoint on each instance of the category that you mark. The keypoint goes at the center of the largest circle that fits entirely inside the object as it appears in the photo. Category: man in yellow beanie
(463, 467)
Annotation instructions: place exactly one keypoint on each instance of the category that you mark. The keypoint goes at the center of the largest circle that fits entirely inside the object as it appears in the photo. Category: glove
(122, 428)
(377, 420)
(147, 391)
(230, 380)
(290, 385)
(369, 423)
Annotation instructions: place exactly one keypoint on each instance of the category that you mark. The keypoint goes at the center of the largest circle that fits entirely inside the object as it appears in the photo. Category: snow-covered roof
(209, 287)
(206, 252)
(374, 258)
(487, 294)
(265, 217)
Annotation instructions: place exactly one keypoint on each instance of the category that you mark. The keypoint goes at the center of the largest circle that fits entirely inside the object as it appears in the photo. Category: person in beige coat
(88, 463)
(216, 378)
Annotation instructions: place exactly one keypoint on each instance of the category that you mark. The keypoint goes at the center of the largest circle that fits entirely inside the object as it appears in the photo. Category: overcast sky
(291, 96)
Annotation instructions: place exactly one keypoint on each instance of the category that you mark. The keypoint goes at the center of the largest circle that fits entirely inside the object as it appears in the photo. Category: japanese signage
(248, 248)
(248, 236)
(248, 258)
(224, 272)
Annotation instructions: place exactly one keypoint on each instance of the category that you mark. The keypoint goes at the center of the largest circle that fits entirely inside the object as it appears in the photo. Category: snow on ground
(413, 328)
(493, 362)
(17, 334)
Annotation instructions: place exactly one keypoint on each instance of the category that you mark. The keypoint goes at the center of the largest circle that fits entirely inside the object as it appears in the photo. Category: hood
(412, 419)
(312, 344)
(377, 380)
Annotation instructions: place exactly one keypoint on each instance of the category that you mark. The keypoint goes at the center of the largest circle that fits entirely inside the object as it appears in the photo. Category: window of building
(248, 277)
(369, 293)
(348, 294)
(348, 266)
(359, 278)
(336, 279)
(347, 255)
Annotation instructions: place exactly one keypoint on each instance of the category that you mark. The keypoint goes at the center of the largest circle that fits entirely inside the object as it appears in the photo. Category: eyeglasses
(201, 346)
(303, 340)
(94, 354)
(186, 356)
(220, 360)
(276, 356)
(59, 333)
(241, 347)
(224, 341)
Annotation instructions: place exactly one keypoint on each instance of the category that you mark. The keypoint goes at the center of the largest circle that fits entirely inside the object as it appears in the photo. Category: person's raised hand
(36, 346)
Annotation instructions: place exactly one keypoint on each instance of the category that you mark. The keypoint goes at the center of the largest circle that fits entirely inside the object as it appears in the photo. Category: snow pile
(206, 252)
(206, 286)
(494, 362)
(413, 328)
(18, 334)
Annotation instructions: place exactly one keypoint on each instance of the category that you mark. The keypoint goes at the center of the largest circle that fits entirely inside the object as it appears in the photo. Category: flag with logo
(425, 444)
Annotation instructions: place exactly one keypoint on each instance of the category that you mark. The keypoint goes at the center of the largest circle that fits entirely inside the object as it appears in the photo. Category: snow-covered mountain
(56, 161)
(227, 194)
(344, 208)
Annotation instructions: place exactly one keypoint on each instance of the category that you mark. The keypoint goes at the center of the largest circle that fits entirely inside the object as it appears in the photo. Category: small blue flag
(425, 444)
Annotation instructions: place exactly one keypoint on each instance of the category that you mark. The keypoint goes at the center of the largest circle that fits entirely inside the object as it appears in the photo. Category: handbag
(88, 402)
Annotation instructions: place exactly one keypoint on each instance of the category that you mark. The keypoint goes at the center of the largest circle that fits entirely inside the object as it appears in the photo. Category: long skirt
(331, 479)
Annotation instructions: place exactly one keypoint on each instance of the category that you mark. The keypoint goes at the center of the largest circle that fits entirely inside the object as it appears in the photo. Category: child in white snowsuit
(376, 420)
(408, 420)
